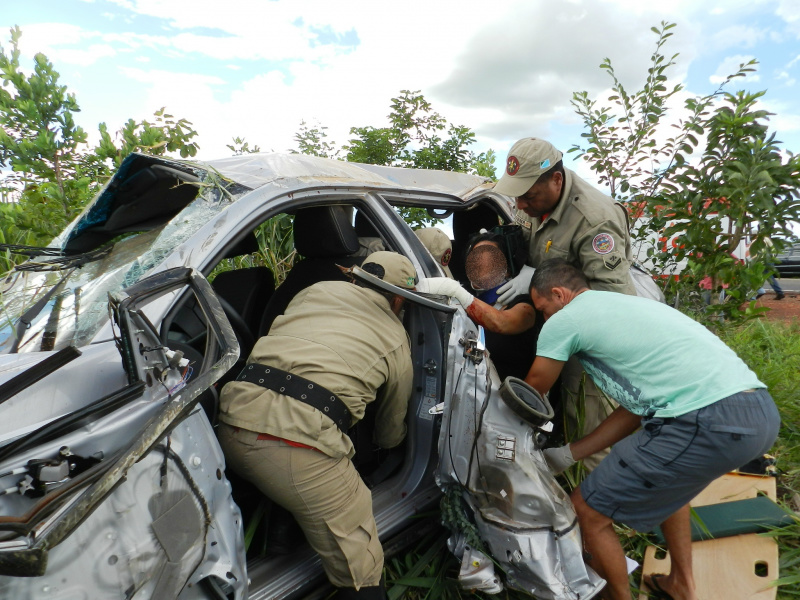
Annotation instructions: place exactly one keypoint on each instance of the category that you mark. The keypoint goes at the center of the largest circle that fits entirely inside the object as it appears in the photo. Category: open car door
(512, 524)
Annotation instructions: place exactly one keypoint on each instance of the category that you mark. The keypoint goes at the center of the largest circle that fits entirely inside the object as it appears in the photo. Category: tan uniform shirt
(587, 229)
(344, 338)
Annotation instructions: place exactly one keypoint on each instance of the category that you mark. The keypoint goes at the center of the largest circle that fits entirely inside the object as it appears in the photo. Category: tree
(45, 158)
(737, 188)
(39, 140)
(413, 138)
(240, 146)
(311, 141)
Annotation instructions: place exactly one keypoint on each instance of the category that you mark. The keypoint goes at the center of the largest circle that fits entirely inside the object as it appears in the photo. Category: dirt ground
(787, 309)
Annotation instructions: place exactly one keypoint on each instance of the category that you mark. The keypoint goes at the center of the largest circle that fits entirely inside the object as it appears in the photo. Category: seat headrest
(324, 231)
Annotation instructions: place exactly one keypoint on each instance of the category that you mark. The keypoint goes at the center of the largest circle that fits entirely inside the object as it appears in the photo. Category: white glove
(558, 459)
(444, 286)
(516, 287)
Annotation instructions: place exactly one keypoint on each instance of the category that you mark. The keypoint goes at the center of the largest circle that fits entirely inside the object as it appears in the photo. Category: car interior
(324, 237)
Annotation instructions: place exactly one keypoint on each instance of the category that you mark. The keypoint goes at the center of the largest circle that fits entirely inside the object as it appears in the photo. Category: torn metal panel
(130, 476)
(521, 513)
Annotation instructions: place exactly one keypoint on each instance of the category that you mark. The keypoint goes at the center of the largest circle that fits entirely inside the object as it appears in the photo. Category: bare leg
(602, 543)
(677, 533)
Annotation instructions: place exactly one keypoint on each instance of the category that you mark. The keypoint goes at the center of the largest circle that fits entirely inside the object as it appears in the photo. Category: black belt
(301, 389)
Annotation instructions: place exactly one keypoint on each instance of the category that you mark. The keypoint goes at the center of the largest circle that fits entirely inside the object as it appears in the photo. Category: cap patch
(446, 257)
(512, 165)
(410, 282)
(603, 243)
(545, 163)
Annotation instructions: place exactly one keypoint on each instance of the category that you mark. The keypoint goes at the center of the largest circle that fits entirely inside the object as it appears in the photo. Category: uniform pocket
(654, 451)
(733, 429)
(357, 538)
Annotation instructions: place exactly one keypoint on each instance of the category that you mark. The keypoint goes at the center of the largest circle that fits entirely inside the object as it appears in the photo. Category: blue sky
(256, 68)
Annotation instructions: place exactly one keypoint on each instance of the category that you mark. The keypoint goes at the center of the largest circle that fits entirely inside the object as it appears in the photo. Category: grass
(772, 351)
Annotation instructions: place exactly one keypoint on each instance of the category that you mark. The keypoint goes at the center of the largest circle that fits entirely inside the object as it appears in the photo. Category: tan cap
(527, 160)
(439, 245)
(392, 268)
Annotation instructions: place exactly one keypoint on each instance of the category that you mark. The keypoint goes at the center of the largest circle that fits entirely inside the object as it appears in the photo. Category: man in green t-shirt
(702, 412)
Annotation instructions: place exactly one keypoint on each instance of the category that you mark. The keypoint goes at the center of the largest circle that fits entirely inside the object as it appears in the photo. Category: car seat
(467, 223)
(325, 237)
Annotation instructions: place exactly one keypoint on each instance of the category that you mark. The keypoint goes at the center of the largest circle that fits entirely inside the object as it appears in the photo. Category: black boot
(374, 592)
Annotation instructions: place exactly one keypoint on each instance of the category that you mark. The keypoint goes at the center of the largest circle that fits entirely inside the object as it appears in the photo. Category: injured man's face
(487, 270)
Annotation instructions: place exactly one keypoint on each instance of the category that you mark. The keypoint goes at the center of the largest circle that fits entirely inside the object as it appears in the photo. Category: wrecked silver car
(116, 339)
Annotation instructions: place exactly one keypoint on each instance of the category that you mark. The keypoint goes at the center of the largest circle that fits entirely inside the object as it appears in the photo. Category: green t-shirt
(649, 357)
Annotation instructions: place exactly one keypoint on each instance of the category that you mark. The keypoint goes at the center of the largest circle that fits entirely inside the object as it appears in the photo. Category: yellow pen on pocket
(547, 246)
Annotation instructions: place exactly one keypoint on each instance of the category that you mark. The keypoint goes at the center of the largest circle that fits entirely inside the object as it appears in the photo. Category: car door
(126, 497)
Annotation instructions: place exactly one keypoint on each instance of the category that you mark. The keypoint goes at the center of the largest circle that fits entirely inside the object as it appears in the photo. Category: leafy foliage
(164, 134)
(772, 350)
(45, 159)
(311, 141)
(702, 208)
(416, 137)
(240, 146)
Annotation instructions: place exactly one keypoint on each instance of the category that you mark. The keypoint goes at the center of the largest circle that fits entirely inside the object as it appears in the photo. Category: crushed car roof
(292, 170)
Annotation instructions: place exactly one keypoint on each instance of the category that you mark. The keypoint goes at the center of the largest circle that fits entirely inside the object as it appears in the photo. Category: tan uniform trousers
(584, 416)
(326, 496)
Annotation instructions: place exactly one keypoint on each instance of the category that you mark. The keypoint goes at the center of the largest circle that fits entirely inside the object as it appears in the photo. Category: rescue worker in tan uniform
(347, 341)
(562, 216)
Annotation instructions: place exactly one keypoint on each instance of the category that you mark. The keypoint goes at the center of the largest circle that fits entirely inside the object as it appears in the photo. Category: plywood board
(741, 566)
(735, 486)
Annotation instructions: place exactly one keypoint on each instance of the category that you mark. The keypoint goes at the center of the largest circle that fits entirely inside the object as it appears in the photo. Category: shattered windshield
(69, 306)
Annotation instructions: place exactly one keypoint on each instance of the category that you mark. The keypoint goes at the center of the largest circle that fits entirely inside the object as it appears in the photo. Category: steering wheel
(240, 329)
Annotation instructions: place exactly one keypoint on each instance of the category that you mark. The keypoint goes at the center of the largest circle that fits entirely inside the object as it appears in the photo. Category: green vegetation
(716, 180)
(417, 137)
(772, 350)
(46, 163)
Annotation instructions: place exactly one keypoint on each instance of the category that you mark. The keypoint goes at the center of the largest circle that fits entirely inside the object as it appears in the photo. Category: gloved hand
(444, 286)
(558, 459)
(517, 286)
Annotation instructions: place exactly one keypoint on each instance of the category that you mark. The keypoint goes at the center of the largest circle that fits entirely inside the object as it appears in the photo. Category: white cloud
(731, 65)
(737, 36)
(789, 11)
(504, 70)
(46, 37)
(86, 57)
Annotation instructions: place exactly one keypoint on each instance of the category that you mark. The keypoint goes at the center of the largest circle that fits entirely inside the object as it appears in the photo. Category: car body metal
(113, 482)
(787, 262)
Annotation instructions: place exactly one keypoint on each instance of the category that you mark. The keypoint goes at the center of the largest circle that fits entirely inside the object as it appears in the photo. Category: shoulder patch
(603, 243)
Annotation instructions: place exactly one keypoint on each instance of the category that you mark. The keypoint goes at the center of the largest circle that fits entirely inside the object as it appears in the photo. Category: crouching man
(702, 412)
(284, 421)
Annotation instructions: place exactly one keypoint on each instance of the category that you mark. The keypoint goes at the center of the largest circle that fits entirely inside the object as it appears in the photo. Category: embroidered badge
(512, 166)
(446, 257)
(519, 219)
(612, 262)
(410, 281)
(603, 243)
(544, 164)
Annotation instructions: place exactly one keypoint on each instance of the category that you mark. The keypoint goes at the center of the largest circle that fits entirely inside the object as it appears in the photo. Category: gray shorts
(652, 473)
